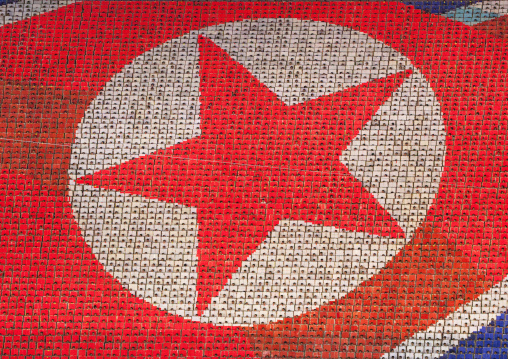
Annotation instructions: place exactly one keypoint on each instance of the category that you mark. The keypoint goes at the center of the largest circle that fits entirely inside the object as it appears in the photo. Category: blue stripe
(490, 342)
(5, 2)
(439, 7)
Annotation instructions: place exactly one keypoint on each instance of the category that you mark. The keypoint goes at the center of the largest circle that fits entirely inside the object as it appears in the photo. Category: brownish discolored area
(424, 283)
(37, 126)
(496, 27)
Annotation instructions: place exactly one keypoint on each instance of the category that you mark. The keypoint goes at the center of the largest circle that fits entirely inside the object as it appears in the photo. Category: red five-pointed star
(259, 161)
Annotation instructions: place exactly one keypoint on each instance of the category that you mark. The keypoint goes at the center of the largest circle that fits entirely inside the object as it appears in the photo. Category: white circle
(153, 103)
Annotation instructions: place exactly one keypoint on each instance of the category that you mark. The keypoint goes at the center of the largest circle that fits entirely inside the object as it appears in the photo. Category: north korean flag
(249, 179)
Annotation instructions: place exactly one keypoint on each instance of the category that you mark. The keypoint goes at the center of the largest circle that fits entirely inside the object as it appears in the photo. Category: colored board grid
(251, 180)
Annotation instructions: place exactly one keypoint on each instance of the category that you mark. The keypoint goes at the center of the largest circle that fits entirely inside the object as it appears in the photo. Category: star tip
(202, 305)
(406, 73)
(200, 309)
(82, 180)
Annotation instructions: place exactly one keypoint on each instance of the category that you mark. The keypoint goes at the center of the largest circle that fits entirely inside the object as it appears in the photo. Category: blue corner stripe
(439, 7)
(5, 2)
(470, 16)
(490, 342)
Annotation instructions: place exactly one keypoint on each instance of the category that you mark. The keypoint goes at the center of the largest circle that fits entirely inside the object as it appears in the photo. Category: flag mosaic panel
(253, 179)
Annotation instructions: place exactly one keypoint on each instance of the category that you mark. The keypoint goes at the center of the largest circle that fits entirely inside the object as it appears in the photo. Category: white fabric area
(493, 6)
(24, 9)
